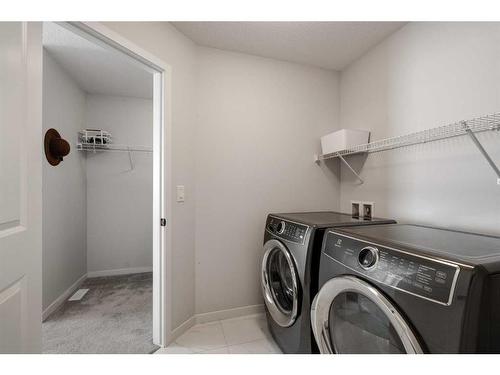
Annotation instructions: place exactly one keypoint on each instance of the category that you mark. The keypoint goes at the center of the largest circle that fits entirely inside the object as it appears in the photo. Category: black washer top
(329, 219)
(451, 244)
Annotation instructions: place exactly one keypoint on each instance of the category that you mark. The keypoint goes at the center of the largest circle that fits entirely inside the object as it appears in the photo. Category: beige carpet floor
(115, 316)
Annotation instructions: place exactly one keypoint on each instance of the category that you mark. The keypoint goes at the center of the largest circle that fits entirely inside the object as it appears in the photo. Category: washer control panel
(287, 230)
(418, 275)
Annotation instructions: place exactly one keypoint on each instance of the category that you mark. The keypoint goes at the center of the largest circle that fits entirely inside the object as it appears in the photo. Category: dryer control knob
(280, 228)
(368, 257)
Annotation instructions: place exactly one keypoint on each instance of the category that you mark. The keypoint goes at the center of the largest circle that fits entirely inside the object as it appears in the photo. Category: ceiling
(95, 69)
(329, 45)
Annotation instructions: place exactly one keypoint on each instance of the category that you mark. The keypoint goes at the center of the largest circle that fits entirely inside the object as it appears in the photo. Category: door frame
(162, 166)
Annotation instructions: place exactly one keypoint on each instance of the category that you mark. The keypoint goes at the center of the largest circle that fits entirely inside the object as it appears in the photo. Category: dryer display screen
(418, 275)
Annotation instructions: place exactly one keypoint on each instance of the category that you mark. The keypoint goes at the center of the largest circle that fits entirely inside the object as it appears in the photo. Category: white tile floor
(245, 335)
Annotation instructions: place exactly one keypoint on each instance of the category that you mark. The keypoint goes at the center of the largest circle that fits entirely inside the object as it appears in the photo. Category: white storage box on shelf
(343, 139)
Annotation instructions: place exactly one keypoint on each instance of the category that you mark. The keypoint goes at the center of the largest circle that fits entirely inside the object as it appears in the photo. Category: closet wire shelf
(92, 147)
(465, 127)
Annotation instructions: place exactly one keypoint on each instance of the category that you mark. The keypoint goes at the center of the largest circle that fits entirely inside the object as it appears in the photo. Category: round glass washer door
(348, 315)
(279, 283)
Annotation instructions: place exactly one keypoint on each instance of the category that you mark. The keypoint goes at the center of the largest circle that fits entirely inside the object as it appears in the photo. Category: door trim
(162, 165)
(320, 312)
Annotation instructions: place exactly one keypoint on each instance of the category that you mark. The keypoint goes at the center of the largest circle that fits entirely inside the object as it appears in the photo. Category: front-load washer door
(348, 315)
(280, 283)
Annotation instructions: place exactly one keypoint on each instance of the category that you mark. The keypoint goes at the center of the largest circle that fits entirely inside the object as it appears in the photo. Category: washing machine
(289, 277)
(407, 289)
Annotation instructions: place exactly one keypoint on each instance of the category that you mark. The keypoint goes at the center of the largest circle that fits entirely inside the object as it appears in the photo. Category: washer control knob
(368, 257)
(280, 228)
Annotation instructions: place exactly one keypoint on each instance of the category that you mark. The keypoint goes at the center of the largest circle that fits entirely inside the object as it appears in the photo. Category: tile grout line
(248, 342)
(223, 334)
(230, 346)
(217, 347)
(265, 337)
(245, 342)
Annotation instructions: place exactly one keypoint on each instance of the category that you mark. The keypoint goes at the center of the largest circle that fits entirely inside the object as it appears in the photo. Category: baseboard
(176, 332)
(229, 313)
(119, 271)
(63, 297)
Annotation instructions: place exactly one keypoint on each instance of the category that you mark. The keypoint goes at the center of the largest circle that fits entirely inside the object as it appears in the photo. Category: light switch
(180, 193)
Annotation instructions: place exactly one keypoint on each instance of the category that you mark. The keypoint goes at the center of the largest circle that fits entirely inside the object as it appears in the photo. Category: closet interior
(97, 199)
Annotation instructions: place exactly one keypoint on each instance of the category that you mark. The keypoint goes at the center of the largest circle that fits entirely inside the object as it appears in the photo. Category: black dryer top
(326, 219)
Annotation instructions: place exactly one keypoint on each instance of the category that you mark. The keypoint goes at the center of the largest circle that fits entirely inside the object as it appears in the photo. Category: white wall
(164, 41)
(64, 205)
(259, 123)
(119, 199)
(249, 145)
(426, 75)
(286, 100)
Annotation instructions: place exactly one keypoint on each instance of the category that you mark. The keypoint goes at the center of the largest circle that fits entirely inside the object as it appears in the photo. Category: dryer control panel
(287, 230)
(412, 273)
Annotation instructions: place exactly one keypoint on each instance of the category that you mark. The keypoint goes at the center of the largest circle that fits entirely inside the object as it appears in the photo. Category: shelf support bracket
(482, 150)
(350, 168)
(130, 159)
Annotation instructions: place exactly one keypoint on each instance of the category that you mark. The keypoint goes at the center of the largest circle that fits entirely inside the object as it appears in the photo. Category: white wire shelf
(465, 127)
(92, 147)
(476, 125)
(97, 136)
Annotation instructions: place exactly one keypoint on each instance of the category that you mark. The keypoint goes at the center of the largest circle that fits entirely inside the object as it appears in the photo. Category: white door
(20, 187)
